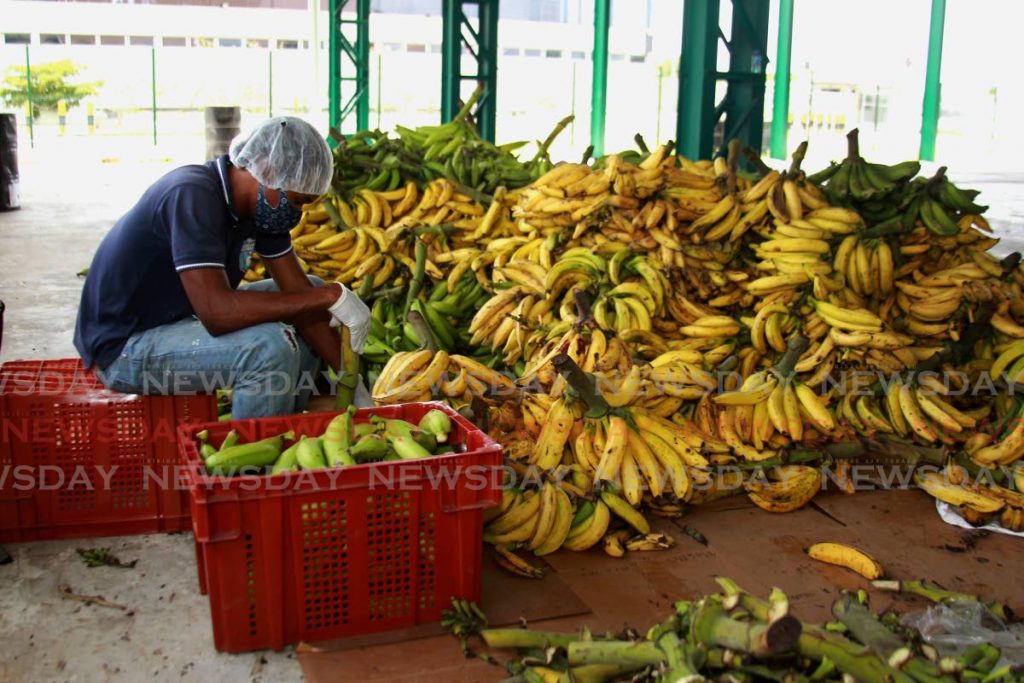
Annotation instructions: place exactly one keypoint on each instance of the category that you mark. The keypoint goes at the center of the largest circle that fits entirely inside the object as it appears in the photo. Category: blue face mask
(275, 221)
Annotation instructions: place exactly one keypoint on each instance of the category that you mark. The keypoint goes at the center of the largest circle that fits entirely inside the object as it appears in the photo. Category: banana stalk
(910, 453)
(841, 450)
(416, 284)
(713, 626)
(940, 595)
(798, 158)
(753, 158)
(422, 330)
(542, 151)
(890, 228)
(817, 644)
(513, 638)
(732, 164)
(583, 384)
(348, 375)
(1010, 262)
(866, 628)
(636, 653)
(961, 351)
(795, 348)
(332, 213)
(587, 154)
(997, 476)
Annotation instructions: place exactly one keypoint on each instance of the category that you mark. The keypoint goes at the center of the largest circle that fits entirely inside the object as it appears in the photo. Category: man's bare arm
(315, 327)
(222, 309)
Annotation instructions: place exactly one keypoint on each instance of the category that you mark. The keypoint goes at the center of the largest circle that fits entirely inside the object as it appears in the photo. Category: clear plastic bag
(954, 627)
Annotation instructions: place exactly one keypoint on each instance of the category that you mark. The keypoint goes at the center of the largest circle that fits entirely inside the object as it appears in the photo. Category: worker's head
(292, 164)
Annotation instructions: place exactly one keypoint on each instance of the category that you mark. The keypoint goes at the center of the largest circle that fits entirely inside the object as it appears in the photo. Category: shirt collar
(222, 170)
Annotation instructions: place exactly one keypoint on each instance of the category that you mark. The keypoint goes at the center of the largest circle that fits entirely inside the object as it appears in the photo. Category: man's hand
(350, 311)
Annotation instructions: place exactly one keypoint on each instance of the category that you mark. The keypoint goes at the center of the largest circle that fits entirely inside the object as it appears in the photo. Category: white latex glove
(350, 311)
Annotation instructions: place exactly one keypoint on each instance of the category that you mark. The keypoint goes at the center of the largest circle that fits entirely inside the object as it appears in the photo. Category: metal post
(357, 53)
(152, 70)
(780, 104)
(363, 64)
(878, 99)
(932, 85)
(451, 58)
(743, 104)
(487, 69)
(28, 90)
(599, 89)
(572, 126)
(270, 83)
(481, 42)
(334, 67)
(695, 124)
(748, 48)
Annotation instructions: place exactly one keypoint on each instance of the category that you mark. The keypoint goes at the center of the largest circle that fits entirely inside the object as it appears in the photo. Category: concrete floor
(69, 201)
(165, 635)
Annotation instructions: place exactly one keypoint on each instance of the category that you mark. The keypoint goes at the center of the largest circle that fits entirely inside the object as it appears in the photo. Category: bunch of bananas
(550, 518)
(938, 204)
(721, 319)
(860, 180)
(634, 451)
(892, 199)
(425, 375)
(439, 320)
(979, 503)
(454, 150)
(373, 161)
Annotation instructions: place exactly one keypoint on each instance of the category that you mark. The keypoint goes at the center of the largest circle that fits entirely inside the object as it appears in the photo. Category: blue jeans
(269, 367)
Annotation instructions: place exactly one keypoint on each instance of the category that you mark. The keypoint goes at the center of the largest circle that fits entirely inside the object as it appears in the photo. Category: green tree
(51, 83)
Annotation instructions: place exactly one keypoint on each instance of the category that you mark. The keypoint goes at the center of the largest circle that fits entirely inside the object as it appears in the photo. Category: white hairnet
(285, 153)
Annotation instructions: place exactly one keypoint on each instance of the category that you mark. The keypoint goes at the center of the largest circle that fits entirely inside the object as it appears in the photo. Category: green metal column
(698, 64)
(481, 42)
(780, 105)
(354, 53)
(748, 50)
(743, 104)
(451, 57)
(932, 85)
(487, 64)
(599, 90)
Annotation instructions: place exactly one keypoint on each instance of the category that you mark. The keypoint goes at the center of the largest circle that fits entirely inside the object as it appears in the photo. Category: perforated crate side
(59, 417)
(169, 413)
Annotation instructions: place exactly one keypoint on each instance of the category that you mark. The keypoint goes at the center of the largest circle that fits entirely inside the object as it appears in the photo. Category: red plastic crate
(77, 459)
(330, 553)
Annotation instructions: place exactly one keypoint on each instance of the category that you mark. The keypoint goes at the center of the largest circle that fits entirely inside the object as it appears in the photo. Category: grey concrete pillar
(222, 125)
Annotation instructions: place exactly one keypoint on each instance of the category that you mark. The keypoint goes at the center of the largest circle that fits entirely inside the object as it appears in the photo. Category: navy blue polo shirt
(185, 220)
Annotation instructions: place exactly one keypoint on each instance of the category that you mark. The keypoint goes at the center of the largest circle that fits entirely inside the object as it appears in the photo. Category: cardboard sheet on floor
(506, 600)
(757, 549)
